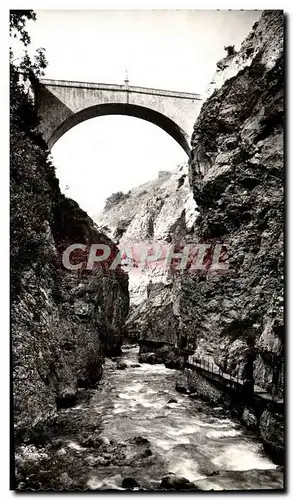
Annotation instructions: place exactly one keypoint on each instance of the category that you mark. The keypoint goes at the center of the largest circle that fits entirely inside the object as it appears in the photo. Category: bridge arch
(62, 104)
(125, 109)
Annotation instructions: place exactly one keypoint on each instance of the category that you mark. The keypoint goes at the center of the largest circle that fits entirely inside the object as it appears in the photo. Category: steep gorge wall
(237, 175)
(158, 212)
(62, 322)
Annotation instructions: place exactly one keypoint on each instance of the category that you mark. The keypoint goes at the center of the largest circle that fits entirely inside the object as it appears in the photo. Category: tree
(115, 198)
(18, 19)
(17, 28)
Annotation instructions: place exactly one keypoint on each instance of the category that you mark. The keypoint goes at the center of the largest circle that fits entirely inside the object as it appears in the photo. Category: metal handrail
(209, 367)
(205, 365)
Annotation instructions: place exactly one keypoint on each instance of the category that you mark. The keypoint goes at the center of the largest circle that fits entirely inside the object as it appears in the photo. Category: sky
(167, 49)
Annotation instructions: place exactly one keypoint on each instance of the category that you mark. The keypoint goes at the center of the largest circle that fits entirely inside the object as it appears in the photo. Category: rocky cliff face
(63, 322)
(237, 175)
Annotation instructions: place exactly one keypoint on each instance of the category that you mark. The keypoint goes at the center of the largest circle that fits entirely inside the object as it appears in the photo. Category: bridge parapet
(123, 88)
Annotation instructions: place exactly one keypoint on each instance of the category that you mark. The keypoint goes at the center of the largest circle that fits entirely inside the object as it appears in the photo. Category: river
(187, 437)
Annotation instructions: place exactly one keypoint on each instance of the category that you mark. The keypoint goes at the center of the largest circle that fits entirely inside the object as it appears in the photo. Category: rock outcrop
(63, 321)
(237, 175)
(156, 213)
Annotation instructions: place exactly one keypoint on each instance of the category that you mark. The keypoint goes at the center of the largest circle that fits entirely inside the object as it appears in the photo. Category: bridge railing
(210, 367)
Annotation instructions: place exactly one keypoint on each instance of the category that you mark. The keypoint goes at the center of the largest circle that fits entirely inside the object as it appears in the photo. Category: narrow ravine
(127, 427)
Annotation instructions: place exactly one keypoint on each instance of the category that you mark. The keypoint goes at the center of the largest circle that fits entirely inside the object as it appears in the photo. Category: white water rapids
(189, 437)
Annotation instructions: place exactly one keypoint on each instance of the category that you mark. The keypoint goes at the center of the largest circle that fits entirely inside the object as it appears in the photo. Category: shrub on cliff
(115, 198)
(230, 49)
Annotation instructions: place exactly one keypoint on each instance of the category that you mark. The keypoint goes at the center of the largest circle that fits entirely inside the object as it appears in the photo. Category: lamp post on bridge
(126, 80)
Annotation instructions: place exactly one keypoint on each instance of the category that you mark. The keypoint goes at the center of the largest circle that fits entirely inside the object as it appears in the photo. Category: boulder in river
(141, 440)
(92, 441)
(172, 401)
(172, 482)
(181, 385)
(121, 365)
(148, 357)
(174, 361)
(138, 448)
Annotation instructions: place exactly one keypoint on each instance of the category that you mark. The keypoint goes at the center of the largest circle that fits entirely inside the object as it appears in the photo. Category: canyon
(80, 386)
(63, 323)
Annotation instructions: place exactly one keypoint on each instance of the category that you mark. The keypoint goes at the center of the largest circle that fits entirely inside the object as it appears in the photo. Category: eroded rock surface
(63, 321)
(237, 175)
(156, 213)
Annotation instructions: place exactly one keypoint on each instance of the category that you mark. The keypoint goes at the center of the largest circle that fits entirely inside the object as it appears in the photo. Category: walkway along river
(128, 427)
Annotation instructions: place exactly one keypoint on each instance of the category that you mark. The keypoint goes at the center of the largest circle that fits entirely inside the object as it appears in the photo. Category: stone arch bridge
(63, 104)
